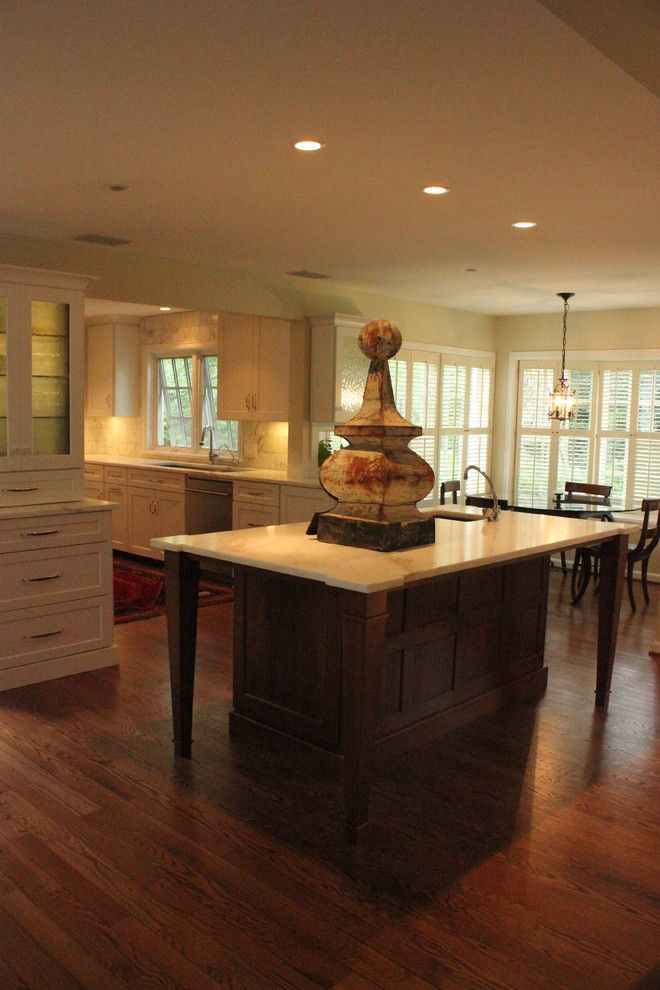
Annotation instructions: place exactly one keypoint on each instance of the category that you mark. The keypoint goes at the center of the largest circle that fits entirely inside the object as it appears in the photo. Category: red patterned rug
(140, 591)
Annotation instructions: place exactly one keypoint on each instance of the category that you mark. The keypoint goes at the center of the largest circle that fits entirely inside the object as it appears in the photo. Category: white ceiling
(195, 106)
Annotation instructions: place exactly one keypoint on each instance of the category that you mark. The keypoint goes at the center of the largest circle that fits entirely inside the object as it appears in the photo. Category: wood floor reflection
(517, 853)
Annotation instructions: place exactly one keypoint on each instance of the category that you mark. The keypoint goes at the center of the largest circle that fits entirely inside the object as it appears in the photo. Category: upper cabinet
(253, 367)
(338, 368)
(41, 385)
(113, 368)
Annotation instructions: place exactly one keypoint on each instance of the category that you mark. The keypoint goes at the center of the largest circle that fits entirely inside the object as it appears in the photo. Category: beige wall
(129, 277)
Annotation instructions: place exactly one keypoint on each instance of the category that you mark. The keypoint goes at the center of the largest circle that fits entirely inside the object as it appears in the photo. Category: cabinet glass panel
(50, 378)
(3, 377)
(354, 367)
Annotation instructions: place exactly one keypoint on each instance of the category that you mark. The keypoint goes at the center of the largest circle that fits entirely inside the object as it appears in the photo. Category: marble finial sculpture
(377, 480)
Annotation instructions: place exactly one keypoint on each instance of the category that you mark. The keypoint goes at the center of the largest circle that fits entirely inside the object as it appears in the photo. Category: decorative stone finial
(377, 480)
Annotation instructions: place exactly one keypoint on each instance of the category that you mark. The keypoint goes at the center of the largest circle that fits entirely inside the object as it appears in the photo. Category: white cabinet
(113, 369)
(255, 503)
(56, 614)
(253, 367)
(338, 368)
(156, 506)
(115, 490)
(298, 503)
(41, 386)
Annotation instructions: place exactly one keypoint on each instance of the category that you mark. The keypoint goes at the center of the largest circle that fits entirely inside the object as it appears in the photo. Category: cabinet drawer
(35, 487)
(248, 516)
(65, 529)
(35, 634)
(94, 473)
(255, 491)
(167, 481)
(47, 576)
(92, 489)
(115, 475)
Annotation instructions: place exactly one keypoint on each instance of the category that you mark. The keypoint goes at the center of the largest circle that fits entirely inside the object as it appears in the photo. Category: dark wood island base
(359, 677)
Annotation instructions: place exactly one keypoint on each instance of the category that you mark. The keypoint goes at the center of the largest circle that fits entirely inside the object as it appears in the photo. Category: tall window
(183, 397)
(451, 398)
(613, 439)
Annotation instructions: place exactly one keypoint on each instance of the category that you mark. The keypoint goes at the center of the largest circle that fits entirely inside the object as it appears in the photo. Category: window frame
(152, 355)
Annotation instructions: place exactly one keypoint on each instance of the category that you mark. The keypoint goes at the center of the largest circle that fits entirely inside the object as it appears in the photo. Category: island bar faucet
(493, 514)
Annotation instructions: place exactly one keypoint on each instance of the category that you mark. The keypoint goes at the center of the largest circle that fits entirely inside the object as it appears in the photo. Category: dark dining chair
(581, 491)
(641, 551)
(449, 488)
(484, 502)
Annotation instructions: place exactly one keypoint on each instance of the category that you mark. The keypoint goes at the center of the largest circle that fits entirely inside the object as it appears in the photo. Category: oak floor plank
(517, 853)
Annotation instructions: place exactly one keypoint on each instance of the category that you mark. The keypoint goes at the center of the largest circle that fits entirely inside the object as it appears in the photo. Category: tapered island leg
(612, 567)
(181, 593)
(363, 625)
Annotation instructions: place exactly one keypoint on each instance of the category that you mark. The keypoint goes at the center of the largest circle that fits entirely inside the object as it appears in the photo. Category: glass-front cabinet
(41, 386)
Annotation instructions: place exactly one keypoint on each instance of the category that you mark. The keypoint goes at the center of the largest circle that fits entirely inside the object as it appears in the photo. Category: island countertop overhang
(459, 545)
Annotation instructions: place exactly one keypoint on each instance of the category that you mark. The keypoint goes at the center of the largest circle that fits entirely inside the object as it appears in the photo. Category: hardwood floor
(518, 853)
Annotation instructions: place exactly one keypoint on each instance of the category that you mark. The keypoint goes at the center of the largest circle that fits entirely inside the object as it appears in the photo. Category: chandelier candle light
(562, 399)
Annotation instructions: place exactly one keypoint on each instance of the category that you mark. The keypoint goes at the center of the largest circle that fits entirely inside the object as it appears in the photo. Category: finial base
(371, 534)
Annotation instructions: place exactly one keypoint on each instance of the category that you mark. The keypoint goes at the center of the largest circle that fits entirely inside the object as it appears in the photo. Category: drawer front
(115, 475)
(167, 481)
(299, 504)
(35, 634)
(93, 489)
(35, 487)
(247, 516)
(47, 576)
(42, 532)
(94, 473)
(255, 491)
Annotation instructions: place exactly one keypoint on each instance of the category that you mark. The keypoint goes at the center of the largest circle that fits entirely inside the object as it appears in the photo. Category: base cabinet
(56, 613)
(298, 503)
(255, 504)
(152, 515)
(147, 504)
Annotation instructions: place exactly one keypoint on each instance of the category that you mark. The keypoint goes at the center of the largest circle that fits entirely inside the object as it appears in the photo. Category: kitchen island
(360, 654)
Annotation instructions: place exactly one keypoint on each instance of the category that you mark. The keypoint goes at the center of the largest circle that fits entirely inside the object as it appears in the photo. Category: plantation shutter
(535, 436)
(465, 419)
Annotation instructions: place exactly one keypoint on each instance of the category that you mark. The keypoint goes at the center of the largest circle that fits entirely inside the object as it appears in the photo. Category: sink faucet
(213, 457)
(492, 514)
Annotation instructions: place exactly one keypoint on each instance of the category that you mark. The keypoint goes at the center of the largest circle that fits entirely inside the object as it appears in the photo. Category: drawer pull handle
(247, 401)
(46, 577)
(55, 632)
(34, 488)
(40, 532)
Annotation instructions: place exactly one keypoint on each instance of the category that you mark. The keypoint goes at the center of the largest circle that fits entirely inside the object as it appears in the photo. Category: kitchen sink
(199, 467)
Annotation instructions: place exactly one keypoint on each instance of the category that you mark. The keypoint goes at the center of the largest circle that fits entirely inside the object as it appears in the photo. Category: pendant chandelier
(562, 398)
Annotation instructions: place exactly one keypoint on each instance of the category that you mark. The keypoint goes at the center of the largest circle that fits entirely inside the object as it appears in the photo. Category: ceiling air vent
(101, 239)
(303, 273)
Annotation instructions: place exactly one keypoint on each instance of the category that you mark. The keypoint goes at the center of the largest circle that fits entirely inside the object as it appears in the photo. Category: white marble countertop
(199, 470)
(459, 545)
(54, 508)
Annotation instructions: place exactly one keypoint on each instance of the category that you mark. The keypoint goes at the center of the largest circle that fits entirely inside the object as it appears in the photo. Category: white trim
(642, 354)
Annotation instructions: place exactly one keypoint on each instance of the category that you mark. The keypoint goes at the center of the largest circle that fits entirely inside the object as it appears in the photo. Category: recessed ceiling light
(435, 190)
(524, 224)
(308, 145)
(165, 309)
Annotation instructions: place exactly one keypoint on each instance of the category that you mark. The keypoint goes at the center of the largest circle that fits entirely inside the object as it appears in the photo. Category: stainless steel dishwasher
(208, 510)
